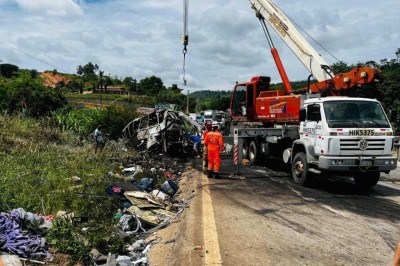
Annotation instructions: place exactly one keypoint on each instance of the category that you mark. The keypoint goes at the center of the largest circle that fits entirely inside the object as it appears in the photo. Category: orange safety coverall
(214, 144)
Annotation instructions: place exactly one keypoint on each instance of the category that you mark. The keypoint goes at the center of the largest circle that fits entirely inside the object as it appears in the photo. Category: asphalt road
(266, 219)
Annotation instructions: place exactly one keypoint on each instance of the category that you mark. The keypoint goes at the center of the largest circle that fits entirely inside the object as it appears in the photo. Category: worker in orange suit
(396, 257)
(215, 145)
(205, 151)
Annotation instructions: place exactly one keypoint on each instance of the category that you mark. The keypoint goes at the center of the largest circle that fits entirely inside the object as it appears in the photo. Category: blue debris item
(145, 184)
(169, 187)
(15, 241)
(138, 186)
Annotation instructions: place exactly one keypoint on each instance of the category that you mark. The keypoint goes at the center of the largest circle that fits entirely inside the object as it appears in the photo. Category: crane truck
(318, 130)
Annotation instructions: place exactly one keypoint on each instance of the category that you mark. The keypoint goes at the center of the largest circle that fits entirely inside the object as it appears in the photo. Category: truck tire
(253, 152)
(300, 173)
(245, 150)
(366, 180)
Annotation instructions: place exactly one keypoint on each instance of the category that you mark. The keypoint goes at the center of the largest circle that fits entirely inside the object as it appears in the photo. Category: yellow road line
(212, 254)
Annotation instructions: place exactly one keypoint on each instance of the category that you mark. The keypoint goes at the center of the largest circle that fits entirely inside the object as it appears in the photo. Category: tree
(75, 85)
(89, 73)
(172, 96)
(101, 80)
(390, 85)
(129, 83)
(8, 70)
(34, 73)
(151, 86)
(372, 64)
(107, 82)
(221, 103)
(87, 70)
(175, 88)
(341, 67)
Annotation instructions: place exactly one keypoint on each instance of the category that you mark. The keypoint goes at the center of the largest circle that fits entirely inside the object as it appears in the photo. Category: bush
(35, 102)
(114, 119)
(8, 70)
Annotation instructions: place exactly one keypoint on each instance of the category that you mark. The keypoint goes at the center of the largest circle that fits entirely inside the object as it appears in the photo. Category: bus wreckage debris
(162, 129)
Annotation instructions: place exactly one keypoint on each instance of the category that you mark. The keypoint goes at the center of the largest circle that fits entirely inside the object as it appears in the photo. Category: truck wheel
(300, 170)
(245, 149)
(366, 180)
(252, 152)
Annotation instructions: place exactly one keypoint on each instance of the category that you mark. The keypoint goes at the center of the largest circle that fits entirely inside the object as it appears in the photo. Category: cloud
(51, 7)
(226, 43)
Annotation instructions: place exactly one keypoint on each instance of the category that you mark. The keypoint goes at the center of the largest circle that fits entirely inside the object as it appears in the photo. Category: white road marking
(212, 255)
(333, 210)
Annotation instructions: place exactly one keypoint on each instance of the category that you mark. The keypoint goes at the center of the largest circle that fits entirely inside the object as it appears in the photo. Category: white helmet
(214, 124)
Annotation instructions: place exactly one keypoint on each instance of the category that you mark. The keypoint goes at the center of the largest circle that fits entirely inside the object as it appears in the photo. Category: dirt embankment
(52, 80)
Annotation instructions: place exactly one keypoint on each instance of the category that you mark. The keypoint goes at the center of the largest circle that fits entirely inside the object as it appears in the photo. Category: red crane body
(254, 101)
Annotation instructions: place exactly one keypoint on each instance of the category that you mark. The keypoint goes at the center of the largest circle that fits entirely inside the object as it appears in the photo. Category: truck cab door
(238, 108)
(313, 125)
(251, 108)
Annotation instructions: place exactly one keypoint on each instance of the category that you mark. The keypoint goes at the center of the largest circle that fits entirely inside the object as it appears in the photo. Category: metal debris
(164, 129)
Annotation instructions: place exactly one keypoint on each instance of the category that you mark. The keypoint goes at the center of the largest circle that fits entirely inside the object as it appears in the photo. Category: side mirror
(393, 116)
(303, 115)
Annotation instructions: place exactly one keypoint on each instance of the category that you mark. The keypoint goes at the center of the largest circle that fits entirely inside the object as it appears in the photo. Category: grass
(37, 163)
(36, 166)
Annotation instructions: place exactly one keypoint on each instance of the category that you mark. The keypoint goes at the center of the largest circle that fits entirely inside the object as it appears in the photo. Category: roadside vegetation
(40, 165)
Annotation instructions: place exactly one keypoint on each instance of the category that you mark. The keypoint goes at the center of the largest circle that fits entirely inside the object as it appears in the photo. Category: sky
(141, 38)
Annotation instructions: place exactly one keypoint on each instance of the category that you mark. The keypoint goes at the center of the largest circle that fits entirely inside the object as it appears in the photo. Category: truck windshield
(350, 114)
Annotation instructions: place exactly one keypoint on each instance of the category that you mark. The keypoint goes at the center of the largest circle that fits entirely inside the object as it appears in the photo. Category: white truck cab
(209, 116)
(342, 134)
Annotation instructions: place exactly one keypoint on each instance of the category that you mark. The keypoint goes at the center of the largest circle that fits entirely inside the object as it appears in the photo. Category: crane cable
(185, 37)
(266, 32)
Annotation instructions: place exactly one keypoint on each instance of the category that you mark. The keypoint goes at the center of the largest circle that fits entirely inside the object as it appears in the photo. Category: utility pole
(187, 103)
(397, 54)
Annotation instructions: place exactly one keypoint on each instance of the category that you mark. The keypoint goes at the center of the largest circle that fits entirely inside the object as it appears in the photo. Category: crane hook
(185, 37)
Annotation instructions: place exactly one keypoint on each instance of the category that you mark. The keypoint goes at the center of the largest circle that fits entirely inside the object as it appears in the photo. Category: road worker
(215, 145)
(99, 138)
(396, 257)
(205, 152)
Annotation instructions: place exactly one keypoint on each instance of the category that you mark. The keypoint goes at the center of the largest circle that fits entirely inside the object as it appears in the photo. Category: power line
(38, 59)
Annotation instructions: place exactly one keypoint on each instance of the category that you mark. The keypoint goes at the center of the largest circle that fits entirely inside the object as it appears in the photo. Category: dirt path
(176, 243)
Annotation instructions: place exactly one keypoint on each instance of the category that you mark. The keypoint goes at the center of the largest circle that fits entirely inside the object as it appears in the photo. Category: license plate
(365, 163)
(361, 132)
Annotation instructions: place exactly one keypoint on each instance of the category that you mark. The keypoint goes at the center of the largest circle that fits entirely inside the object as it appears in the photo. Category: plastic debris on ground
(147, 195)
